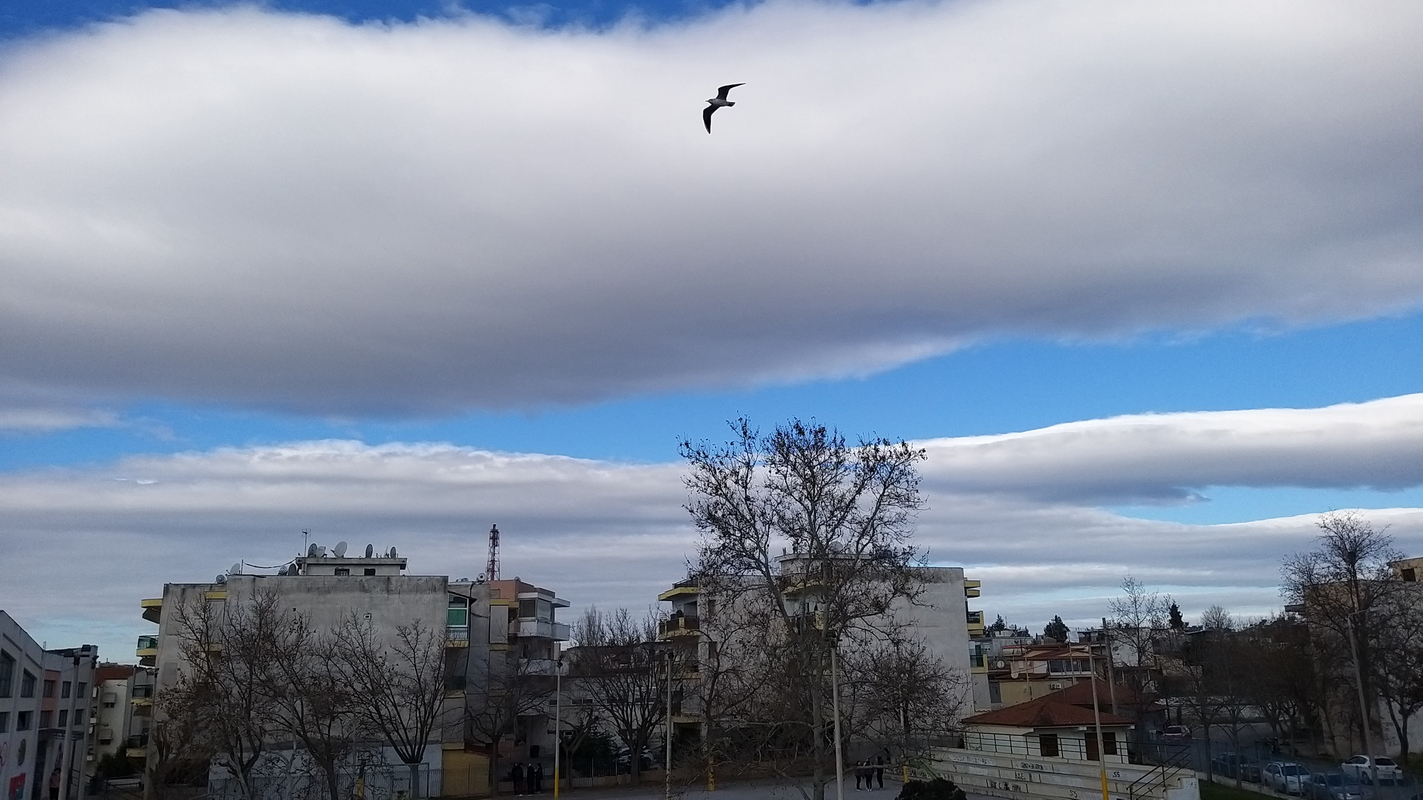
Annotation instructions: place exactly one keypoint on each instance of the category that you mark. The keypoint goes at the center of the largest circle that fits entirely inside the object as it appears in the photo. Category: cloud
(292, 212)
(1169, 457)
(615, 534)
(46, 420)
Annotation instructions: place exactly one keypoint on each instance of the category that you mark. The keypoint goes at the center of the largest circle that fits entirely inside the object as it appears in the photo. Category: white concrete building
(486, 625)
(121, 716)
(44, 714)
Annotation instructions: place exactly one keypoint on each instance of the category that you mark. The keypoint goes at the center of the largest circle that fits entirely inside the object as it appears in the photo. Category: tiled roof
(1045, 712)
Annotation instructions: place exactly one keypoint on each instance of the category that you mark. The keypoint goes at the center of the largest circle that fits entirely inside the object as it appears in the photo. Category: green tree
(1056, 630)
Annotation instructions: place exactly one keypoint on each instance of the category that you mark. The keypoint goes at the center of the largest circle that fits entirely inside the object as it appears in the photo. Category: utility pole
(1097, 717)
(667, 757)
(835, 709)
(1363, 704)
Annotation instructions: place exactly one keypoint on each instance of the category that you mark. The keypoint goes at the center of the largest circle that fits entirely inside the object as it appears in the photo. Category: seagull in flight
(717, 102)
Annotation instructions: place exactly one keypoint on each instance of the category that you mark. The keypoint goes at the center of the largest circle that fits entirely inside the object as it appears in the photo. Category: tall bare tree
(400, 680)
(312, 702)
(225, 648)
(844, 516)
(509, 688)
(620, 664)
(1347, 589)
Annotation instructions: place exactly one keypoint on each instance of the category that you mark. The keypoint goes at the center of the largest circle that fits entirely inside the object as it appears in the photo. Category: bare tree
(620, 664)
(1346, 587)
(401, 683)
(908, 700)
(225, 648)
(510, 688)
(1398, 661)
(178, 741)
(312, 701)
(1138, 618)
(844, 516)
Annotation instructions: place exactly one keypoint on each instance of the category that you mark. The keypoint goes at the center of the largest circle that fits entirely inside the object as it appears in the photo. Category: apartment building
(489, 628)
(939, 617)
(44, 714)
(122, 715)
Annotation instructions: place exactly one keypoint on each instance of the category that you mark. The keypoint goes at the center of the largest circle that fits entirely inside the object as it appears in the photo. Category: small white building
(1048, 727)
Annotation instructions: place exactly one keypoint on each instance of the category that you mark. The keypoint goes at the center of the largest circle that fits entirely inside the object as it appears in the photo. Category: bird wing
(722, 92)
(706, 116)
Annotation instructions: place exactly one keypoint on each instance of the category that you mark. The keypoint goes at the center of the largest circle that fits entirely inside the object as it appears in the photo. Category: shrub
(936, 789)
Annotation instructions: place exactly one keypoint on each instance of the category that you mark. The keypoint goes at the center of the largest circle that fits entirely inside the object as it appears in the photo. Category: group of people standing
(869, 772)
(527, 780)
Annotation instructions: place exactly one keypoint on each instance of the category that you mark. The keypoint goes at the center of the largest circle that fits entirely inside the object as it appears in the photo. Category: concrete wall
(1025, 778)
(30, 756)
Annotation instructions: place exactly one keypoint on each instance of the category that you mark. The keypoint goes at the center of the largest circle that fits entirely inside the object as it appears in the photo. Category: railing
(678, 624)
(539, 628)
(148, 643)
(1169, 762)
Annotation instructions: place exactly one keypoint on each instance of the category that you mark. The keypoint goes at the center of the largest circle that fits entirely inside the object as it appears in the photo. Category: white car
(1362, 768)
(1286, 776)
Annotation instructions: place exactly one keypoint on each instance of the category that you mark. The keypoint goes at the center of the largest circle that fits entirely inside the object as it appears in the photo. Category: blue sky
(238, 242)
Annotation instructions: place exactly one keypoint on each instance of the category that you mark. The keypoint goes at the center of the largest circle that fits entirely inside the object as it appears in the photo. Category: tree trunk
(414, 778)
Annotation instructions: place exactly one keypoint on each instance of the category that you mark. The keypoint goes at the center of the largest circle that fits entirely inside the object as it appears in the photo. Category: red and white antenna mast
(491, 570)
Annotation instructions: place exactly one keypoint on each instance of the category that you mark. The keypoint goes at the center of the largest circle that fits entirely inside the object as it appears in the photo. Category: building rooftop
(1050, 711)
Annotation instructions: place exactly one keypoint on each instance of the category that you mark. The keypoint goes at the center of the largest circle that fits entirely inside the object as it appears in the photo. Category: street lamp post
(1097, 718)
(557, 721)
(667, 757)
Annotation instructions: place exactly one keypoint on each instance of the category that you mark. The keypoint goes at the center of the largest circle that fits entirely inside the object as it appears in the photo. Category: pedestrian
(539, 778)
(879, 770)
(517, 774)
(860, 774)
(54, 784)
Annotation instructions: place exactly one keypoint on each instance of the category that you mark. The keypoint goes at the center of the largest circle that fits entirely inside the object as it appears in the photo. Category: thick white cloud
(615, 534)
(293, 212)
(1155, 457)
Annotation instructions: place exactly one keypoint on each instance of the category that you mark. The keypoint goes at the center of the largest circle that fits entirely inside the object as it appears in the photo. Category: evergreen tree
(1174, 618)
(1056, 630)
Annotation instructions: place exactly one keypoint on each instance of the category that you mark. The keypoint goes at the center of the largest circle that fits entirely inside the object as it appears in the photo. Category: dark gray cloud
(291, 212)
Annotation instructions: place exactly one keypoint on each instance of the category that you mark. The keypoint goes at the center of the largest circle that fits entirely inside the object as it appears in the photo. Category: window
(49, 688)
(370, 571)
(1409, 575)
(1057, 665)
(65, 689)
(64, 718)
(458, 614)
(1109, 743)
(83, 687)
(343, 570)
(22, 720)
(7, 673)
(4, 721)
(27, 685)
(1047, 744)
(46, 717)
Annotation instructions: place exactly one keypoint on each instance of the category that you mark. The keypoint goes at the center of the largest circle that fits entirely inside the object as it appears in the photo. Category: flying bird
(717, 102)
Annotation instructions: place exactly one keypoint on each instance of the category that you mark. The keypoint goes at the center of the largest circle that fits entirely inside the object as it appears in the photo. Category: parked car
(1360, 767)
(1333, 786)
(1175, 734)
(1229, 764)
(1286, 776)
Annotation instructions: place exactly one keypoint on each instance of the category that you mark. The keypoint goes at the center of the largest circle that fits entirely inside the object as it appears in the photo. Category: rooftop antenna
(305, 537)
(492, 568)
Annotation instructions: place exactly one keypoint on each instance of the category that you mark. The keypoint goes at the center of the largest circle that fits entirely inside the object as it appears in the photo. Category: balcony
(147, 650)
(539, 629)
(136, 746)
(975, 623)
(456, 637)
(681, 589)
(970, 588)
(152, 608)
(678, 626)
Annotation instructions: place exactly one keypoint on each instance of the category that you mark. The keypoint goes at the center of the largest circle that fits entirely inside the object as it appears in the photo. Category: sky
(1144, 280)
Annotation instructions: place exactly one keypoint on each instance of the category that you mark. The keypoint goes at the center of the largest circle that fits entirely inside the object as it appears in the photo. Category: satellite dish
(340, 550)
(392, 553)
(370, 550)
(235, 569)
(282, 571)
(321, 551)
(221, 579)
(481, 577)
(311, 551)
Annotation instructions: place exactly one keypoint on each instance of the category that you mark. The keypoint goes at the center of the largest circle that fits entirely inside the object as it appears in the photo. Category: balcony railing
(677, 625)
(538, 628)
(457, 637)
